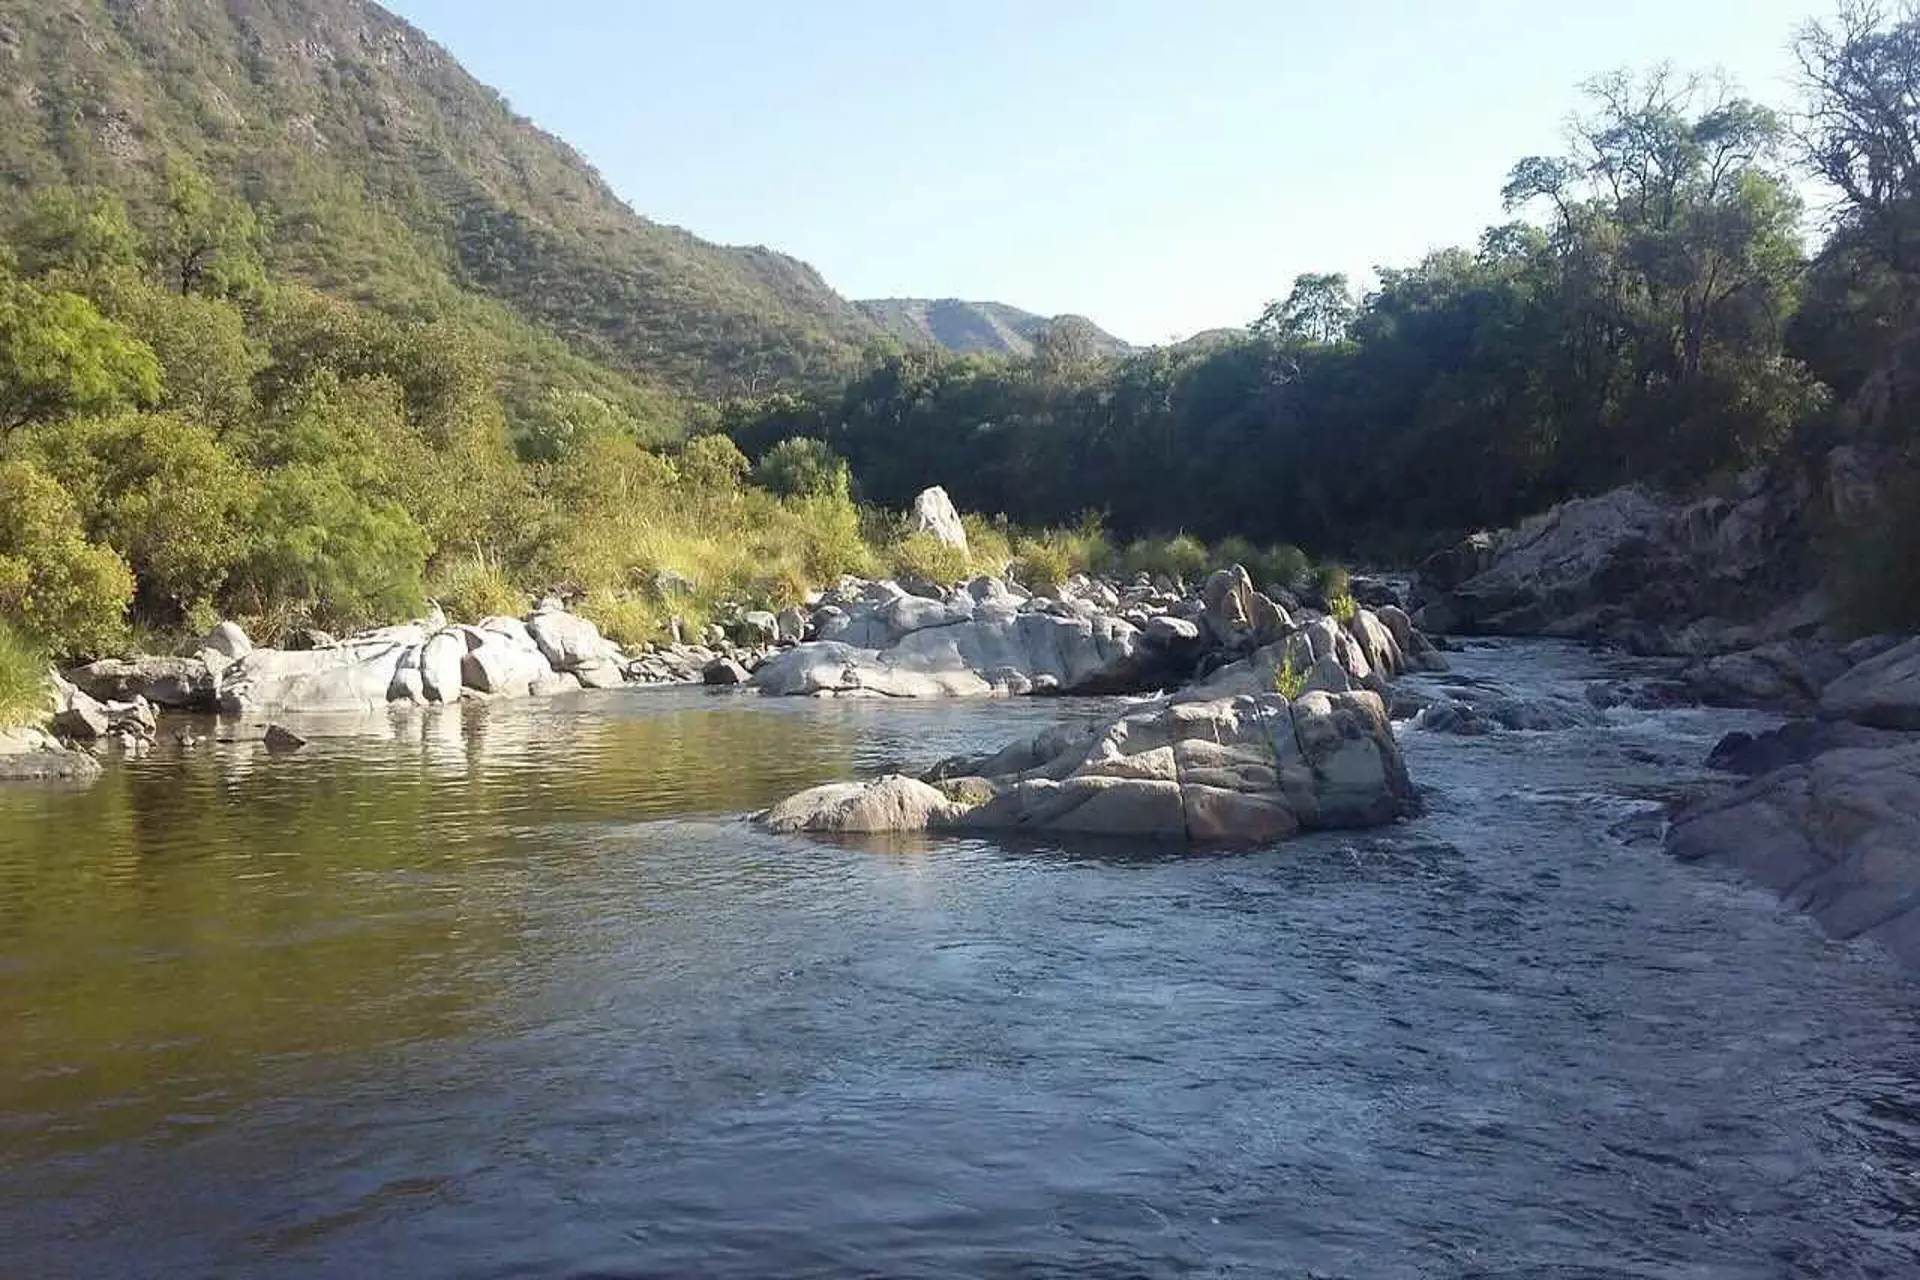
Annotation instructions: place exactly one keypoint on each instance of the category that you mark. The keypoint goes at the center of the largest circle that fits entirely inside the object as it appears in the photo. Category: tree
(1319, 309)
(801, 468)
(210, 243)
(69, 594)
(59, 356)
(1861, 78)
(714, 463)
(83, 235)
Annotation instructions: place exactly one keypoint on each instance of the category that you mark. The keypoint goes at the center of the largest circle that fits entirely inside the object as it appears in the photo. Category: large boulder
(1245, 770)
(569, 641)
(1239, 617)
(496, 663)
(177, 683)
(1786, 675)
(1838, 837)
(862, 808)
(348, 677)
(1883, 692)
(442, 661)
(934, 513)
(228, 640)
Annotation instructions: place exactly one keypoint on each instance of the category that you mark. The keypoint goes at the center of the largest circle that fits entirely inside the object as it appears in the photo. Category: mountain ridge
(969, 328)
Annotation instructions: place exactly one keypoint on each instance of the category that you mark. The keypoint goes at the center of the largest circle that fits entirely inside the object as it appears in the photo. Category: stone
(861, 808)
(934, 513)
(1837, 837)
(600, 675)
(228, 640)
(33, 755)
(83, 720)
(757, 626)
(281, 740)
(348, 677)
(442, 660)
(1787, 674)
(1243, 770)
(499, 666)
(183, 684)
(792, 625)
(723, 671)
(1883, 692)
(303, 639)
(1793, 743)
(569, 642)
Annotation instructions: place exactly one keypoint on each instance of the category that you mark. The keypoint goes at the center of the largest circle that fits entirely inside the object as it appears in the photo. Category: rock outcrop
(1241, 770)
(1837, 836)
(934, 513)
(31, 754)
(1881, 691)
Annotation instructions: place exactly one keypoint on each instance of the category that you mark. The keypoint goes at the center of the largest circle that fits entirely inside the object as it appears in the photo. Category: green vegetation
(1288, 682)
(23, 675)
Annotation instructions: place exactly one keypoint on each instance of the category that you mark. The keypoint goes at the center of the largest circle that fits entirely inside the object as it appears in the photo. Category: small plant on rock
(1288, 680)
(1342, 607)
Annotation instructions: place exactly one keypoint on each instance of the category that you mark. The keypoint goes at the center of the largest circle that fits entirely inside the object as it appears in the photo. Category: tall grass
(23, 676)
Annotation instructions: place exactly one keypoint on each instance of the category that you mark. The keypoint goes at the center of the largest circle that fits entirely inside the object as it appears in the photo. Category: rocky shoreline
(1269, 715)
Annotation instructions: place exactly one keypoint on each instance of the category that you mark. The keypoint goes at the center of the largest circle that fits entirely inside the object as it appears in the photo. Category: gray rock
(757, 626)
(723, 671)
(83, 720)
(568, 641)
(934, 513)
(792, 625)
(33, 755)
(304, 639)
(442, 660)
(349, 677)
(177, 683)
(281, 740)
(1787, 674)
(228, 640)
(502, 668)
(600, 675)
(1231, 771)
(1838, 837)
(1795, 742)
(1882, 692)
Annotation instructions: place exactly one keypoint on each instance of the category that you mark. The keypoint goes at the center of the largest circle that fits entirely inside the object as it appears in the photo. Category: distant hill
(384, 172)
(990, 328)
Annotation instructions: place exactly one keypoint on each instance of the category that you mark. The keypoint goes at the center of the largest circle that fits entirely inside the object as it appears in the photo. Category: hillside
(385, 173)
(986, 328)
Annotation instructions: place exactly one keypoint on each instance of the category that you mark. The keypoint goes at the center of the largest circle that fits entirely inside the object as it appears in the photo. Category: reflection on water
(516, 991)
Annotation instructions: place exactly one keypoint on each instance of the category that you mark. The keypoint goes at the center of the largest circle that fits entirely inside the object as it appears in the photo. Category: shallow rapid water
(519, 993)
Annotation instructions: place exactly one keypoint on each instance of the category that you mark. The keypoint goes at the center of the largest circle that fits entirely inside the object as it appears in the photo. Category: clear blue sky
(1163, 166)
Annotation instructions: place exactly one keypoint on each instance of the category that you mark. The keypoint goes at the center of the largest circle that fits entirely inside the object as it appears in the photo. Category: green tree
(83, 235)
(60, 356)
(210, 243)
(1319, 309)
(68, 594)
(800, 467)
(714, 463)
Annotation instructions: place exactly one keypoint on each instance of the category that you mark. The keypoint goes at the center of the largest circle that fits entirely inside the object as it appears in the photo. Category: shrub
(1182, 556)
(475, 586)
(1288, 682)
(66, 593)
(714, 462)
(1042, 566)
(1342, 607)
(1284, 566)
(323, 547)
(23, 680)
(925, 557)
(989, 543)
(800, 467)
(626, 620)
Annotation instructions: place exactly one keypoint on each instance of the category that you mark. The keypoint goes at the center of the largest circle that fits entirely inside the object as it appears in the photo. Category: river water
(518, 992)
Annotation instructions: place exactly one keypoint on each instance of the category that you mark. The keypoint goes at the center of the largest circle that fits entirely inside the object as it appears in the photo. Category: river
(518, 992)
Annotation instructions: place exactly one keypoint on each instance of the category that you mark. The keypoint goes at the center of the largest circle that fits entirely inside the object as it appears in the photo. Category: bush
(474, 586)
(1284, 566)
(23, 680)
(924, 557)
(1042, 566)
(989, 544)
(1342, 607)
(800, 467)
(66, 593)
(342, 557)
(1183, 556)
(715, 463)
(1331, 581)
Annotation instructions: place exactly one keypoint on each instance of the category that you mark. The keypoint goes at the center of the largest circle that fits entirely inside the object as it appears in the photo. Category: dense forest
(241, 379)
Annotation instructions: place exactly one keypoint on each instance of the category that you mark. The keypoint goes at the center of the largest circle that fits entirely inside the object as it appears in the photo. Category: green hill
(985, 328)
(383, 172)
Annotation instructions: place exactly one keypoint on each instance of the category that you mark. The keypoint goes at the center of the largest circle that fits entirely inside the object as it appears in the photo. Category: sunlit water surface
(518, 992)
